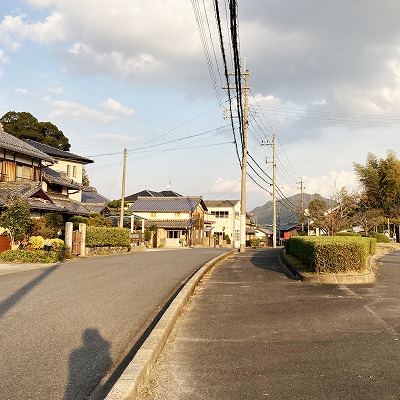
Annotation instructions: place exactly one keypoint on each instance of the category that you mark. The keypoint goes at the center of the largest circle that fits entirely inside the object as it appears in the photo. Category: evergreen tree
(24, 125)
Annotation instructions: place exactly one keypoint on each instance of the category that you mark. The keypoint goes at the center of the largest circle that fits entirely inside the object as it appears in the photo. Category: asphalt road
(64, 328)
(251, 332)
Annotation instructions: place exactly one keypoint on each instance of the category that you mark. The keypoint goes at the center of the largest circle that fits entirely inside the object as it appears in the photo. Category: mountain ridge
(288, 210)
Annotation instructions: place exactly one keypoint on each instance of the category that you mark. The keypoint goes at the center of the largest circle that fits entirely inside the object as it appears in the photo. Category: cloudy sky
(133, 74)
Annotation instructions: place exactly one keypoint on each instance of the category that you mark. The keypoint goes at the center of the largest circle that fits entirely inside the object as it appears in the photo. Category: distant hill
(288, 210)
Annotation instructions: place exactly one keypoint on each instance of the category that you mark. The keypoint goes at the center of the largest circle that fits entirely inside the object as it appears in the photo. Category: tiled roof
(28, 190)
(151, 193)
(221, 203)
(36, 203)
(170, 224)
(52, 176)
(10, 142)
(90, 195)
(170, 193)
(40, 200)
(166, 204)
(70, 206)
(96, 207)
(57, 153)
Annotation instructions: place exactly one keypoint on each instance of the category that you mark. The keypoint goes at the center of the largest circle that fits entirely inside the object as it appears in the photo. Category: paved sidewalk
(252, 332)
(6, 269)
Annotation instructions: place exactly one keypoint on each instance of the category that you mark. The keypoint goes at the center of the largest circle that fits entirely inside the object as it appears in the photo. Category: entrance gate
(76, 243)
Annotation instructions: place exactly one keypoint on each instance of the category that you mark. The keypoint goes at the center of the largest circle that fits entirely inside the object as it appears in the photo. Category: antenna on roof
(169, 185)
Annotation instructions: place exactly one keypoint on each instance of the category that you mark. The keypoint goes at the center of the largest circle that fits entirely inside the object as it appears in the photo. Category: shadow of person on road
(88, 364)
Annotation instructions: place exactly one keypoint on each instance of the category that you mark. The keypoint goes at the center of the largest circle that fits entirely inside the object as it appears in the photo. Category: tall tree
(333, 219)
(380, 179)
(16, 218)
(24, 125)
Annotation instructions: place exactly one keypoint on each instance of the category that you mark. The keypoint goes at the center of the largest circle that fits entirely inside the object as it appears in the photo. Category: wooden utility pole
(121, 217)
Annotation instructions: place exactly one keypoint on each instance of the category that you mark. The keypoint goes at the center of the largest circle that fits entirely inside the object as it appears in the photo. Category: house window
(237, 235)
(177, 215)
(173, 234)
(220, 214)
(68, 170)
(24, 173)
(74, 171)
(153, 215)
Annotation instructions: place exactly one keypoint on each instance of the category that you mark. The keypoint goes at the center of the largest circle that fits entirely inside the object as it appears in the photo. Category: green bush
(254, 242)
(36, 242)
(78, 219)
(28, 256)
(102, 237)
(57, 243)
(331, 254)
(347, 234)
(381, 238)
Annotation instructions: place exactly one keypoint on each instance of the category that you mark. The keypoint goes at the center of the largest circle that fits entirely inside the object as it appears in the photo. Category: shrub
(27, 256)
(347, 234)
(102, 237)
(57, 243)
(37, 242)
(254, 242)
(77, 219)
(38, 228)
(331, 254)
(95, 219)
(381, 238)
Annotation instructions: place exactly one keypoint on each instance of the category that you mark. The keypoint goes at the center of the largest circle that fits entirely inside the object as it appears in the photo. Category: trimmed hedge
(381, 238)
(331, 254)
(29, 256)
(103, 237)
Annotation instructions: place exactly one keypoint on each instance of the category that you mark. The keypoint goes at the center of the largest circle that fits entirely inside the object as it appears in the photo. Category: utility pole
(272, 143)
(273, 190)
(242, 248)
(121, 217)
(302, 203)
(244, 165)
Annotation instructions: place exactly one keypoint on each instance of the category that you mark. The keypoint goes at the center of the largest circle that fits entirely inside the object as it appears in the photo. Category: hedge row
(29, 256)
(102, 237)
(331, 254)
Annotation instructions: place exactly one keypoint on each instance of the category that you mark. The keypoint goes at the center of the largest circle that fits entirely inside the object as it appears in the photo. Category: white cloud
(66, 109)
(327, 185)
(21, 90)
(13, 30)
(225, 185)
(117, 107)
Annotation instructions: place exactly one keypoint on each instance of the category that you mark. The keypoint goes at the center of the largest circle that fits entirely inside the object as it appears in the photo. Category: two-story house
(66, 174)
(28, 172)
(21, 174)
(179, 220)
(227, 221)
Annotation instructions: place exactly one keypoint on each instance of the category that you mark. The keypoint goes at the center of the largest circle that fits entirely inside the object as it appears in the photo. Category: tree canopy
(24, 125)
(334, 218)
(16, 219)
(380, 179)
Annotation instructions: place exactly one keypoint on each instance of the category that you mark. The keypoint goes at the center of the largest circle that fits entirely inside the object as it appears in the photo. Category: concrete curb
(136, 373)
(341, 279)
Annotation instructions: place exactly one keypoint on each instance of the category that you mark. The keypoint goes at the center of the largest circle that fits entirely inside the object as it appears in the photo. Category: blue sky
(131, 74)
